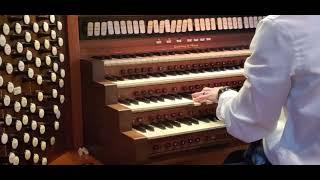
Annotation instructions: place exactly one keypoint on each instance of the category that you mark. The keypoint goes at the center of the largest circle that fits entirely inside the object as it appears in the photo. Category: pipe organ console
(32, 88)
(138, 74)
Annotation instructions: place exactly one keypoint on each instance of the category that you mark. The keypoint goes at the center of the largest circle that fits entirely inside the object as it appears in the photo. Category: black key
(179, 72)
(133, 101)
(144, 76)
(153, 99)
(119, 78)
(212, 118)
(167, 124)
(193, 121)
(150, 128)
(172, 73)
(158, 125)
(130, 77)
(160, 98)
(162, 74)
(188, 96)
(204, 120)
(124, 102)
(184, 121)
(140, 128)
(145, 100)
(175, 123)
(195, 71)
(177, 96)
(110, 78)
(171, 97)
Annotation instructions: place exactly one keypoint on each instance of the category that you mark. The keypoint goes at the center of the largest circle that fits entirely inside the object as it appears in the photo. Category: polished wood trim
(76, 124)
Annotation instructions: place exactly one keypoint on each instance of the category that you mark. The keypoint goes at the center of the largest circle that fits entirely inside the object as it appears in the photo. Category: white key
(129, 27)
(184, 25)
(251, 23)
(255, 21)
(183, 129)
(230, 25)
(161, 27)
(224, 23)
(123, 27)
(196, 24)
(246, 22)
(219, 23)
(207, 21)
(168, 103)
(135, 27)
(177, 57)
(167, 26)
(173, 26)
(6, 100)
(110, 28)
(179, 26)
(104, 28)
(190, 25)
(150, 27)
(155, 26)
(97, 29)
(213, 23)
(239, 22)
(142, 27)
(175, 79)
(235, 23)
(202, 24)
(116, 25)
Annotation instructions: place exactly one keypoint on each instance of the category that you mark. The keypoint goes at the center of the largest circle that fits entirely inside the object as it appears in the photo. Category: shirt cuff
(222, 103)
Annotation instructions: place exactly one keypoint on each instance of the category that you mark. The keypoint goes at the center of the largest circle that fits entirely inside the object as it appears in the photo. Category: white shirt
(283, 71)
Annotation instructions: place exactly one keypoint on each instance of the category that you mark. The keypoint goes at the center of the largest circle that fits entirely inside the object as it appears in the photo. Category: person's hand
(207, 95)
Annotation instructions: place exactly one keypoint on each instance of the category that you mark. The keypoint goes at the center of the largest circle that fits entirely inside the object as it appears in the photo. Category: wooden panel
(76, 124)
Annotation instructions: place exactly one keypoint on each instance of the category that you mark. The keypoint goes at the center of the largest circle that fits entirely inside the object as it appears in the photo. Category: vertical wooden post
(74, 127)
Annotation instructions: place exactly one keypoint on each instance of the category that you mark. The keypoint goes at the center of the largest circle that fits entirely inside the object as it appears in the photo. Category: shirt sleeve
(253, 113)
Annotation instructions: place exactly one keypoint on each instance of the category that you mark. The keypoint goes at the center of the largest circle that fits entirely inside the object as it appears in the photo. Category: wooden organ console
(34, 100)
(138, 74)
